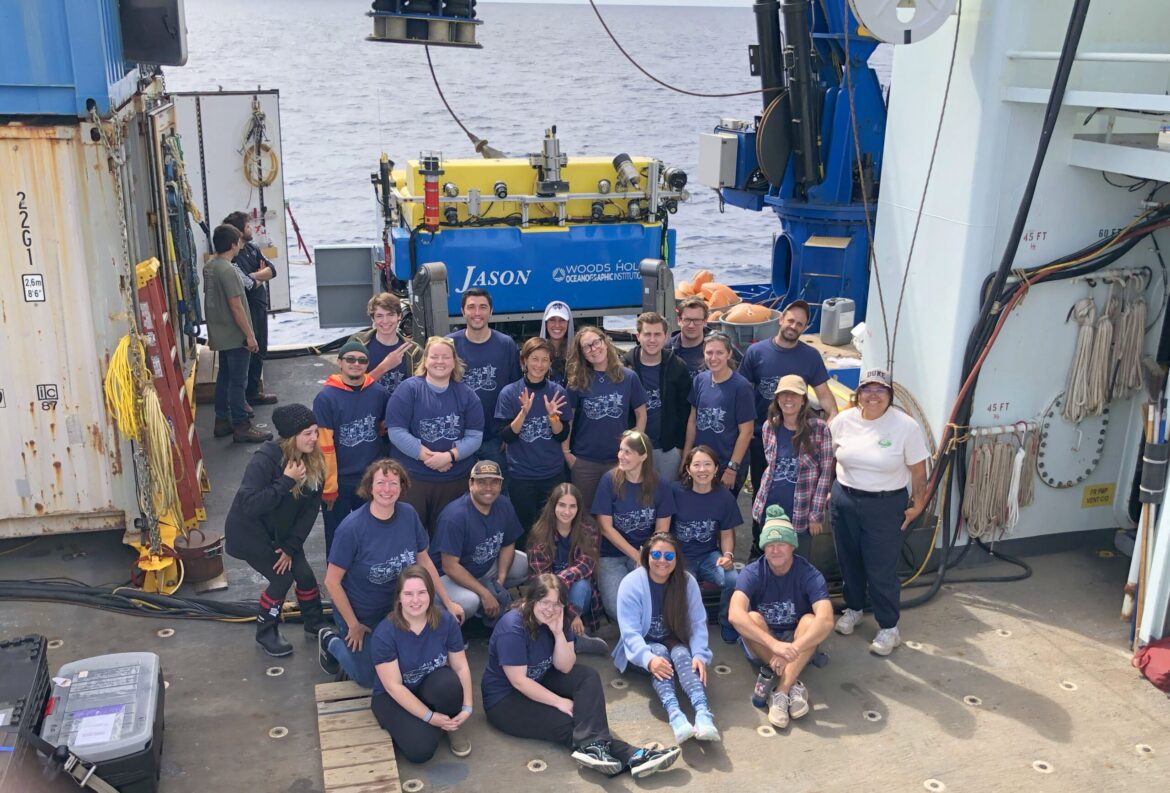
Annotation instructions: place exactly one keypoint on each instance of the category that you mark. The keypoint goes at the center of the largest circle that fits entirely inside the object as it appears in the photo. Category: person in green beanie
(782, 611)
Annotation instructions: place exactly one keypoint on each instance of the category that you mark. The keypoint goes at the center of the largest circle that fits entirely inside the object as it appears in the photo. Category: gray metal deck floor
(1061, 628)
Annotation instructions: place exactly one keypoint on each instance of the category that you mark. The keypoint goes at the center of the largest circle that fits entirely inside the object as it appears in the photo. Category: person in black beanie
(271, 517)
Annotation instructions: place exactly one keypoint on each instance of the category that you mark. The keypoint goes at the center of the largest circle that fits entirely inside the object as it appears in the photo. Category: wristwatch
(734, 466)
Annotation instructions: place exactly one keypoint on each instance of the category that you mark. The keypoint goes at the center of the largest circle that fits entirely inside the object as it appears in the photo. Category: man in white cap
(782, 611)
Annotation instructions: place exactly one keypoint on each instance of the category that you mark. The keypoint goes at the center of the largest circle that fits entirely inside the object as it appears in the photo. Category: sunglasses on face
(659, 555)
(354, 359)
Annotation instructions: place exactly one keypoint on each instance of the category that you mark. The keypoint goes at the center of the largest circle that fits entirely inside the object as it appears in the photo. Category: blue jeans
(610, 572)
(706, 570)
(359, 665)
(347, 501)
(580, 593)
(230, 383)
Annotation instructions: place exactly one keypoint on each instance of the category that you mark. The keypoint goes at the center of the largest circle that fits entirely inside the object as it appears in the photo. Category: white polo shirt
(876, 455)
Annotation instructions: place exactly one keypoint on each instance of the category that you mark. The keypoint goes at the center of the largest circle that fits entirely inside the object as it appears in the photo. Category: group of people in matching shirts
(408, 451)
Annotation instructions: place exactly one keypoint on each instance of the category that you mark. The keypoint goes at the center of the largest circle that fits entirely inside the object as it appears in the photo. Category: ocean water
(344, 100)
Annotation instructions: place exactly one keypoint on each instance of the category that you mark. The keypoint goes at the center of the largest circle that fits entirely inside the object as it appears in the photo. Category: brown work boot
(244, 432)
(223, 428)
(260, 398)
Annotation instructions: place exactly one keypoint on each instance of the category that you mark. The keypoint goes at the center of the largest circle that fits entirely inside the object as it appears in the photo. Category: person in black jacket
(271, 517)
(667, 383)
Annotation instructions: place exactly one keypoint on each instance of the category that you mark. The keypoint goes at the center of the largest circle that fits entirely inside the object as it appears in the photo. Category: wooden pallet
(356, 754)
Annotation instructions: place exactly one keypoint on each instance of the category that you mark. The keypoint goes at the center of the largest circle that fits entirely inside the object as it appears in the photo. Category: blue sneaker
(728, 634)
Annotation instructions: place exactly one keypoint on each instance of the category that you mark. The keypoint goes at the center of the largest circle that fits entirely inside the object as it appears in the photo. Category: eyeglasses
(872, 389)
(689, 321)
(667, 555)
(355, 359)
(590, 346)
(548, 606)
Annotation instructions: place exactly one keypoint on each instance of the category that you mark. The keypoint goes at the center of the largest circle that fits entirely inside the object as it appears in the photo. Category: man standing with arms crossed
(229, 332)
(765, 362)
(259, 271)
(491, 361)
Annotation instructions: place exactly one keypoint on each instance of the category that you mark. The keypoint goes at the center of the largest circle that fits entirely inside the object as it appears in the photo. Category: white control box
(718, 153)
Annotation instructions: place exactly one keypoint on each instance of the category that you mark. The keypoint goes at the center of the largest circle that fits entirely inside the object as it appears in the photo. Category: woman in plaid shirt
(563, 541)
(799, 451)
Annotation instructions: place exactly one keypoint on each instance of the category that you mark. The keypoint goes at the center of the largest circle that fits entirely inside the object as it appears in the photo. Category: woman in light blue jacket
(664, 631)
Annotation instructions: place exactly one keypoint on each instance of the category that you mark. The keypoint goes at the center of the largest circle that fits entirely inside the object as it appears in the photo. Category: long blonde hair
(580, 372)
(314, 465)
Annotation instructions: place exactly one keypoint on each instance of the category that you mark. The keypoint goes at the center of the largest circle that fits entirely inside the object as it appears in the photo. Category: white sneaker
(797, 700)
(885, 641)
(778, 709)
(848, 621)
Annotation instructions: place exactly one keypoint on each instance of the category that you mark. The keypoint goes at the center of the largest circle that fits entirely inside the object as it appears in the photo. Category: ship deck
(1058, 706)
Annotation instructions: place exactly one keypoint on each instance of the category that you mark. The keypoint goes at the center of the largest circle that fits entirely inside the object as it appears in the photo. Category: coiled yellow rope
(139, 415)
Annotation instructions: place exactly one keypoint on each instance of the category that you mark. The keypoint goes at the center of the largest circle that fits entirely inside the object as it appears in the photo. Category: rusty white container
(65, 467)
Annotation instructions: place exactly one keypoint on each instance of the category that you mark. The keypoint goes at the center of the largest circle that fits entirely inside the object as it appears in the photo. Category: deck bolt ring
(274, 671)
(412, 785)
(972, 700)
(1043, 766)
(871, 715)
(766, 731)
(55, 644)
(166, 684)
(165, 633)
(1004, 632)
(278, 732)
(536, 766)
(1068, 685)
(722, 669)
(913, 645)
(619, 684)
(1144, 749)
(934, 786)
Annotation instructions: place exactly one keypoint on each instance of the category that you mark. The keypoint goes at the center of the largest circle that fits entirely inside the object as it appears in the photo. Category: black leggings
(278, 584)
(414, 739)
(522, 717)
(528, 496)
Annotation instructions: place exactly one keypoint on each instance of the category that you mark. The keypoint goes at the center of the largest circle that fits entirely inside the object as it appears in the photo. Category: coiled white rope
(1031, 445)
(1101, 360)
(1131, 333)
(1084, 311)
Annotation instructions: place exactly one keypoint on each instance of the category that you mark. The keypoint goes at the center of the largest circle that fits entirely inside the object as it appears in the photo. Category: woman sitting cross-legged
(533, 688)
(664, 631)
(564, 542)
(423, 685)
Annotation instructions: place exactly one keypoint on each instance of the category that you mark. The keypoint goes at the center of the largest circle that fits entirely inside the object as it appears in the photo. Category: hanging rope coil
(1131, 332)
(1100, 361)
(1084, 311)
(1031, 447)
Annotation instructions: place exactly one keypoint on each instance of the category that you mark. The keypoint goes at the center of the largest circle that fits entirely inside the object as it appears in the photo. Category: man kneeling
(782, 611)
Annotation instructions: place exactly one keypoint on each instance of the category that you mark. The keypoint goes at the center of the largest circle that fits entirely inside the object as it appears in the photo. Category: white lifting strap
(881, 18)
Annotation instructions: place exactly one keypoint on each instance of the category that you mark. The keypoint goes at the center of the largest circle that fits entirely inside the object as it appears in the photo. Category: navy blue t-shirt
(417, 656)
(353, 416)
(394, 377)
(699, 517)
(719, 410)
(464, 531)
(691, 356)
(438, 419)
(658, 631)
(782, 600)
(765, 363)
(632, 519)
(564, 547)
(373, 553)
(651, 377)
(487, 367)
(782, 489)
(534, 454)
(512, 645)
(604, 415)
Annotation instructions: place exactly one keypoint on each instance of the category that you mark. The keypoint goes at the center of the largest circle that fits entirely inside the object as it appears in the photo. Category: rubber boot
(312, 612)
(268, 634)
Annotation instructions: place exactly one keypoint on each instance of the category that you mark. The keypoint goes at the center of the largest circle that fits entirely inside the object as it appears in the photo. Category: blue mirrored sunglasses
(656, 555)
